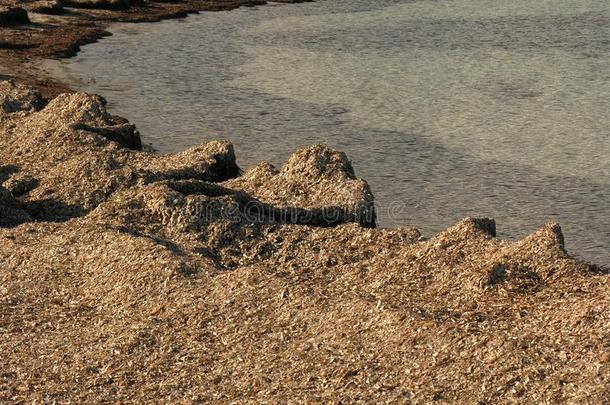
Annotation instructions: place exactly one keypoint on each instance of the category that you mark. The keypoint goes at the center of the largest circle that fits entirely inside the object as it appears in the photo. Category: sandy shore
(131, 277)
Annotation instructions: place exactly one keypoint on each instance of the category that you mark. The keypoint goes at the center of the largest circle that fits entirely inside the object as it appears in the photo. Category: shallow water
(448, 108)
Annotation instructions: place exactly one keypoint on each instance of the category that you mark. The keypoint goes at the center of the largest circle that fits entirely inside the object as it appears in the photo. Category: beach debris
(16, 97)
(53, 7)
(127, 275)
(102, 4)
(314, 177)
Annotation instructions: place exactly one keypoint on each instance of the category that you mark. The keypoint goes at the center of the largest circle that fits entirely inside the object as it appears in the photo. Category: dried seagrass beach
(204, 274)
(448, 110)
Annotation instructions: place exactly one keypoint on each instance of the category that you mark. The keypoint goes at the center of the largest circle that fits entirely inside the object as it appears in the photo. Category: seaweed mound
(127, 275)
(102, 4)
(16, 97)
(318, 178)
(79, 156)
(53, 7)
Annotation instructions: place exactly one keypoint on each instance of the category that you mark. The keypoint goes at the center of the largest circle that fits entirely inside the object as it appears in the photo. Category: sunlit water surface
(448, 108)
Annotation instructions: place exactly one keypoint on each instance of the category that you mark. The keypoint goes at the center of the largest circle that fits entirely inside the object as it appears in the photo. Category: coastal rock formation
(127, 275)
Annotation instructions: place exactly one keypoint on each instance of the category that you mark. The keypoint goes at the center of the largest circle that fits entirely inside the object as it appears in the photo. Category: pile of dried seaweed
(133, 277)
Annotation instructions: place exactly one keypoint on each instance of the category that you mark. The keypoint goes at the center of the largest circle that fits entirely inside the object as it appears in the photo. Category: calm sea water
(448, 108)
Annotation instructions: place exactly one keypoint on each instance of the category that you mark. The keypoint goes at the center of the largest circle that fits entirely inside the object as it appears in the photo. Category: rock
(13, 16)
(53, 7)
(16, 97)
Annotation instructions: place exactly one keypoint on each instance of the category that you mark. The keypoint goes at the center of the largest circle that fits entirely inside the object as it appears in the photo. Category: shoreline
(578, 241)
(136, 277)
(60, 35)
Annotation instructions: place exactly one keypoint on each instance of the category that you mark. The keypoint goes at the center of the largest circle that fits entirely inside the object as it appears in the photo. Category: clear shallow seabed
(448, 108)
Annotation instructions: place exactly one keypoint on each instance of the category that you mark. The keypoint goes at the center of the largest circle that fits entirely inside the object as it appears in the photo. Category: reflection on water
(450, 108)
